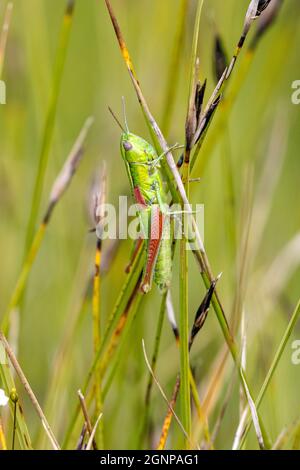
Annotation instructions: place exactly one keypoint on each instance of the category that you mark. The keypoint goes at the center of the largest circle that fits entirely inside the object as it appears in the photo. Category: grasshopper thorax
(134, 149)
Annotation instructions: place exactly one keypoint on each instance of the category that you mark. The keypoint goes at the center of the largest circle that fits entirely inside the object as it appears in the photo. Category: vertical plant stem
(156, 346)
(29, 391)
(185, 399)
(168, 418)
(21, 282)
(124, 296)
(97, 340)
(60, 185)
(123, 323)
(50, 121)
(294, 319)
(125, 329)
(9, 384)
(234, 352)
(86, 416)
(60, 369)
(200, 411)
(159, 327)
(15, 401)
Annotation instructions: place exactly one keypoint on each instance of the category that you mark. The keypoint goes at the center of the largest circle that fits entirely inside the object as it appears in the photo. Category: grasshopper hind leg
(163, 267)
(158, 251)
(155, 229)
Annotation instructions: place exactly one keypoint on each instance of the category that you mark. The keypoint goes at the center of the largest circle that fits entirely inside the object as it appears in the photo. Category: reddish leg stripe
(139, 197)
(156, 231)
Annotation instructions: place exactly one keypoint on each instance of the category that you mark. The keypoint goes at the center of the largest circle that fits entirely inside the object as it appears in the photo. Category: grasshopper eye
(127, 146)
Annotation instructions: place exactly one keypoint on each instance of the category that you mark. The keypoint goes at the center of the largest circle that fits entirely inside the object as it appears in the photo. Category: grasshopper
(142, 167)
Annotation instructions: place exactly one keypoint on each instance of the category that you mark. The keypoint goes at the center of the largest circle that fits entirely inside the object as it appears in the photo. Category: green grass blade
(124, 296)
(50, 121)
(292, 323)
(9, 385)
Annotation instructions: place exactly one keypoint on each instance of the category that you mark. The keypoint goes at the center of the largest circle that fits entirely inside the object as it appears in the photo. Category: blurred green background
(95, 78)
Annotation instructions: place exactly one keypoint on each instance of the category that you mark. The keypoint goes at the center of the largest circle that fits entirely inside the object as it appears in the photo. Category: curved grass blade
(59, 187)
(50, 120)
(9, 385)
(292, 323)
(30, 392)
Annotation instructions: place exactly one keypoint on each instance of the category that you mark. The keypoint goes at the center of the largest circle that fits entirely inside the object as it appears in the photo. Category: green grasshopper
(142, 166)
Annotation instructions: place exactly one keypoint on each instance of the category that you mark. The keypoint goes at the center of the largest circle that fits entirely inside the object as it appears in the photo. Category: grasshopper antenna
(116, 119)
(124, 113)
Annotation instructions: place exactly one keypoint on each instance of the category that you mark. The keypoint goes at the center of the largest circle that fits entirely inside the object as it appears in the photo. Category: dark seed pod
(180, 161)
(194, 114)
(255, 9)
(210, 112)
(220, 58)
(202, 311)
(262, 6)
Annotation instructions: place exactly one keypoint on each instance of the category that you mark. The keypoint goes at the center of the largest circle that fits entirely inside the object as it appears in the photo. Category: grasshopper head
(135, 149)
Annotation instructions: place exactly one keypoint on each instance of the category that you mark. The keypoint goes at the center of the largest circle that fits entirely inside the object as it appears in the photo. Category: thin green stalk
(168, 418)
(127, 328)
(60, 370)
(122, 330)
(160, 322)
(9, 385)
(234, 353)
(97, 340)
(50, 121)
(169, 415)
(158, 333)
(14, 398)
(21, 282)
(292, 323)
(118, 332)
(185, 396)
(59, 187)
(197, 325)
(124, 296)
(200, 412)
(29, 391)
